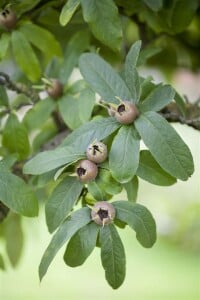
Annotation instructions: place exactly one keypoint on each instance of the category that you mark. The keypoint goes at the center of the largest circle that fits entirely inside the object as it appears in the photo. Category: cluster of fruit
(102, 212)
(87, 170)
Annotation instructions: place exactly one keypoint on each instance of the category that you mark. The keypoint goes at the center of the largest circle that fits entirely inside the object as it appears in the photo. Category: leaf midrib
(163, 173)
(62, 201)
(113, 260)
(11, 192)
(125, 152)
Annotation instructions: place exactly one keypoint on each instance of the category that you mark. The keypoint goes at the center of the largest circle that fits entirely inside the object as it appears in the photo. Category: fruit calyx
(53, 87)
(103, 213)
(97, 152)
(8, 19)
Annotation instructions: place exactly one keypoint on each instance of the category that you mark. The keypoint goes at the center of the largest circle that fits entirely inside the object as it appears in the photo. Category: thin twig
(191, 118)
(18, 88)
(176, 118)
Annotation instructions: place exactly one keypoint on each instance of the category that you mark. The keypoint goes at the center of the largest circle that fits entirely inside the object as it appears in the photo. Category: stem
(192, 117)
(18, 88)
(4, 210)
(58, 121)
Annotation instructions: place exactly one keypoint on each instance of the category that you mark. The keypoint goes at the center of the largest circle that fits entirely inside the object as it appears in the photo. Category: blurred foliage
(185, 228)
(170, 26)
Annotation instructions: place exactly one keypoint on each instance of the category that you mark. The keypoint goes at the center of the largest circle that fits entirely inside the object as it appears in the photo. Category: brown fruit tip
(103, 213)
(55, 90)
(97, 152)
(8, 19)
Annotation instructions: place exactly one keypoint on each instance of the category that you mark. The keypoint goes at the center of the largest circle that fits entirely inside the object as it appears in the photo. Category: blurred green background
(170, 270)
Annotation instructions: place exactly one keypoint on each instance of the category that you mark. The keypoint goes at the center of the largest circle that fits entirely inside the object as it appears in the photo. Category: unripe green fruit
(8, 19)
(86, 171)
(56, 89)
(103, 213)
(126, 112)
(97, 152)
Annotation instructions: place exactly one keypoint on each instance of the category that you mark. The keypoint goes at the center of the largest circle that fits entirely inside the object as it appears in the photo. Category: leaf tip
(41, 271)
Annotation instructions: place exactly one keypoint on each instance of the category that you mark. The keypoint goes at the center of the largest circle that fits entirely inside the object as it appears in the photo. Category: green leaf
(39, 114)
(76, 45)
(44, 136)
(173, 18)
(103, 78)
(63, 170)
(50, 160)
(50, 17)
(14, 238)
(69, 227)
(62, 201)
(25, 56)
(124, 154)
(41, 39)
(132, 80)
(147, 86)
(24, 6)
(17, 195)
(69, 110)
(112, 256)
(52, 70)
(166, 146)
(4, 44)
(68, 10)
(155, 5)
(20, 100)
(133, 54)
(90, 131)
(8, 161)
(95, 190)
(77, 87)
(158, 98)
(181, 14)
(104, 22)
(131, 75)
(86, 104)
(3, 96)
(150, 170)
(81, 245)
(146, 53)
(131, 188)
(107, 183)
(2, 265)
(15, 137)
(138, 218)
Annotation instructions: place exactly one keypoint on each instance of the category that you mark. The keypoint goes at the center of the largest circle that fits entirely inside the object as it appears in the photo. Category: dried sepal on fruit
(86, 171)
(111, 111)
(97, 152)
(8, 19)
(103, 213)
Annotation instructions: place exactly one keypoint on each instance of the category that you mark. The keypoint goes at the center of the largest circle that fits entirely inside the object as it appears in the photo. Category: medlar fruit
(55, 89)
(86, 171)
(126, 112)
(8, 19)
(97, 152)
(103, 213)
